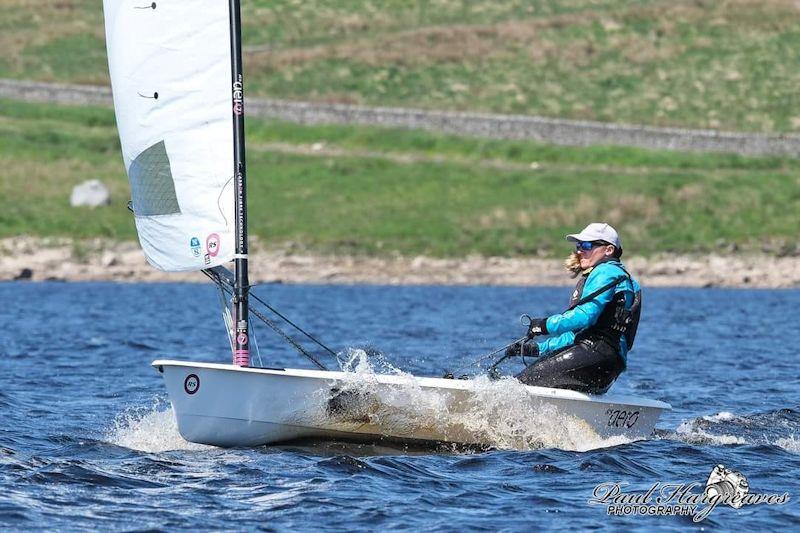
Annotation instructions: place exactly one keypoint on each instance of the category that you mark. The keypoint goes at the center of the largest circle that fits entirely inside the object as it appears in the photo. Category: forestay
(170, 70)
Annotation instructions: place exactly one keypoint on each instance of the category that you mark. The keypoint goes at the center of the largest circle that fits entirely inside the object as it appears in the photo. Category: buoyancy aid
(616, 318)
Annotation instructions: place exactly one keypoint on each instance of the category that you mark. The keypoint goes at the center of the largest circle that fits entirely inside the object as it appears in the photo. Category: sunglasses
(585, 246)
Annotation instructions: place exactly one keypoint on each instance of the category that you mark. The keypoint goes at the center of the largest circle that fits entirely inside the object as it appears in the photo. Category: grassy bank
(371, 190)
(728, 64)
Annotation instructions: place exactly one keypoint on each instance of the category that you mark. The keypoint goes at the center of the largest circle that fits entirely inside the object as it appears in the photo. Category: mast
(241, 349)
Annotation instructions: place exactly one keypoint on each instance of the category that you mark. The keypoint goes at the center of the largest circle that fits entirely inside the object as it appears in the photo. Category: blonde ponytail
(573, 264)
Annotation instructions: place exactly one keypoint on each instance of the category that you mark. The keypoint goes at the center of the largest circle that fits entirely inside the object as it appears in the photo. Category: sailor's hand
(537, 326)
(514, 349)
(527, 349)
(530, 349)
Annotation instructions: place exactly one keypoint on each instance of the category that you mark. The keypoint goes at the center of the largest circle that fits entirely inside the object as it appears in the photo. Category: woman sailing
(589, 342)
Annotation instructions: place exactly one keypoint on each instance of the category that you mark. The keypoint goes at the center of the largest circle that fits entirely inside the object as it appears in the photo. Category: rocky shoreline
(38, 259)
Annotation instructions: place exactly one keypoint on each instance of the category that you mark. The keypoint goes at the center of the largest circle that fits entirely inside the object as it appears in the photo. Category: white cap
(597, 231)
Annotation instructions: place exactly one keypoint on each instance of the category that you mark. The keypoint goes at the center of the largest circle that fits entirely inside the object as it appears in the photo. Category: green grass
(379, 191)
(692, 63)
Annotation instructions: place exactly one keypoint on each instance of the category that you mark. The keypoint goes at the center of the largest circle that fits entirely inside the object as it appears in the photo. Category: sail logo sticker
(238, 96)
(191, 384)
(241, 339)
(194, 244)
(212, 244)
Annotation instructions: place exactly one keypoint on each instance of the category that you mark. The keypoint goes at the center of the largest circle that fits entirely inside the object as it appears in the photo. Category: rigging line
(488, 355)
(271, 324)
(255, 343)
(219, 199)
(226, 317)
(287, 338)
(215, 276)
(295, 326)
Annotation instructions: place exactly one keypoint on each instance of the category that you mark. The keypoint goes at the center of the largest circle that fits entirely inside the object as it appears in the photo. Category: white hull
(226, 405)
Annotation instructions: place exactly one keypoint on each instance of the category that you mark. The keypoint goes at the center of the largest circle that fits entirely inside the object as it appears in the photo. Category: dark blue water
(87, 440)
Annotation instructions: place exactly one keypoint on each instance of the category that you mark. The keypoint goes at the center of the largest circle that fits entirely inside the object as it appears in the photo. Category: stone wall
(554, 131)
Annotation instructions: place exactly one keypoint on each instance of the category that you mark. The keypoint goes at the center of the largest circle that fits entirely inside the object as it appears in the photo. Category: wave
(151, 429)
(774, 428)
(791, 443)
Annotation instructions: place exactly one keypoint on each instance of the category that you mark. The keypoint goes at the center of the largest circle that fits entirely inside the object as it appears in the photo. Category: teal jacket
(564, 326)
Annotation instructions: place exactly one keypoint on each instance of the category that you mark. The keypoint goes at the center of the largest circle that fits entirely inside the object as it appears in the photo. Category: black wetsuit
(589, 365)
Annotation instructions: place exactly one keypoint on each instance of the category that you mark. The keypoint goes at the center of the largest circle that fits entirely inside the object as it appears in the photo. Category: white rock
(90, 193)
(108, 259)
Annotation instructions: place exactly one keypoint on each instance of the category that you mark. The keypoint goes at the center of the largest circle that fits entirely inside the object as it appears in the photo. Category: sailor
(589, 342)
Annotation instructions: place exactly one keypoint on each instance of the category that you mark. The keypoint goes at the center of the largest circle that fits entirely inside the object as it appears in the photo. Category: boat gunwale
(422, 381)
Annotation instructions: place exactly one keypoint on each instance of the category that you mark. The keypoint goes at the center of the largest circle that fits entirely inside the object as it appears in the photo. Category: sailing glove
(526, 349)
(538, 326)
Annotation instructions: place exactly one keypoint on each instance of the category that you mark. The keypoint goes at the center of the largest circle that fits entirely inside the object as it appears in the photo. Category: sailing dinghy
(178, 87)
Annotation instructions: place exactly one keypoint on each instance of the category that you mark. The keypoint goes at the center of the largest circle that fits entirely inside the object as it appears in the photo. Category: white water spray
(152, 429)
(726, 428)
(790, 444)
(497, 413)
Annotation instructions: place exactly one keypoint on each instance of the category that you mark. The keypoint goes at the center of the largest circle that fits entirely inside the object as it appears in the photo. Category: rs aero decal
(212, 244)
(618, 418)
(241, 339)
(191, 384)
(238, 96)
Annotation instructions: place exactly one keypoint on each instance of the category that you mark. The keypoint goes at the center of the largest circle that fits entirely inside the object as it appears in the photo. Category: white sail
(170, 70)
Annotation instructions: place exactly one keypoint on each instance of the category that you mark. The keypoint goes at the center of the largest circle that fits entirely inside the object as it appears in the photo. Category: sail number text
(619, 418)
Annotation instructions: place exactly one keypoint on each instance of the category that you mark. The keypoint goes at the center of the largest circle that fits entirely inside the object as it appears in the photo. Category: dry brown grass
(452, 43)
(646, 51)
(52, 20)
(627, 210)
(571, 212)
(29, 178)
(412, 47)
(638, 208)
(467, 43)
(689, 192)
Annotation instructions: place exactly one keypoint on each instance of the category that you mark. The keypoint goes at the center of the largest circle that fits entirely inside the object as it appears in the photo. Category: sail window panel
(152, 185)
